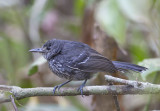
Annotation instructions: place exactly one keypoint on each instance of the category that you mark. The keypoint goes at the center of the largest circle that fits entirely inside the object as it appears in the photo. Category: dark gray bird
(77, 61)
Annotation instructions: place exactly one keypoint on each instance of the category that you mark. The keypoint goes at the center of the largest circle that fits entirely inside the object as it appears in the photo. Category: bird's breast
(59, 69)
(63, 70)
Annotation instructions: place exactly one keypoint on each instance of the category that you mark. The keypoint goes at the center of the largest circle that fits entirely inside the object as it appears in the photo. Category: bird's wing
(92, 62)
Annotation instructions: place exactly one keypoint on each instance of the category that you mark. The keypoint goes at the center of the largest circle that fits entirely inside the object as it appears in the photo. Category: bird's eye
(48, 48)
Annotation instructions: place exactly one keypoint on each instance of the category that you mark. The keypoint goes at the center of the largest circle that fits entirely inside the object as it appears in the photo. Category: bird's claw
(56, 87)
(59, 86)
(81, 90)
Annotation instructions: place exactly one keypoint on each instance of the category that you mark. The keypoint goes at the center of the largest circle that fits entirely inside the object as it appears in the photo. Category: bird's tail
(123, 66)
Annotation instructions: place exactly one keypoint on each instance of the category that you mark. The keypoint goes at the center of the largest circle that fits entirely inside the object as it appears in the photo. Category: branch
(138, 87)
(132, 87)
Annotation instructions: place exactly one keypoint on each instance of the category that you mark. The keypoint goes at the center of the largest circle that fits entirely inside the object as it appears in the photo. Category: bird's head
(49, 49)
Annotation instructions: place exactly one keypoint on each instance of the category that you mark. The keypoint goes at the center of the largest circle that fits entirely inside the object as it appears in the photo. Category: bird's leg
(81, 87)
(59, 86)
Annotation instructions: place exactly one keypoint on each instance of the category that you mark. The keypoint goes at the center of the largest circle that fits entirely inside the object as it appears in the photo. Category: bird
(76, 61)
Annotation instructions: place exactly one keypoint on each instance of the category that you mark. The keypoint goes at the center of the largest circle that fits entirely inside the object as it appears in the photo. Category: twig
(135, 84)
(13, 103)
(115, 97)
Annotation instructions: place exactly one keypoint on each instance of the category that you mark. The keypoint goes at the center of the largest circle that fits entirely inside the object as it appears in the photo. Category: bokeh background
(124, 30)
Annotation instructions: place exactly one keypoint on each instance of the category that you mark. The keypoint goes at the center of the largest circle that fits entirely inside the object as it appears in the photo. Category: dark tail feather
(127, 66)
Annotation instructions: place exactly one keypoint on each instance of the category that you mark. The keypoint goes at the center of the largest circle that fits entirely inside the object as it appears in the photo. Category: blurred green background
(26, 24)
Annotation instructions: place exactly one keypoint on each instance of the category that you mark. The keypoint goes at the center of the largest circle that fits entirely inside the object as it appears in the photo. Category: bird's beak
(39, 50)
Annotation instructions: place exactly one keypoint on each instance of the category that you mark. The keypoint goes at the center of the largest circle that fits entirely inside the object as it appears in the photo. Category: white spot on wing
(80, 54)
(74, 68)
(84, 61)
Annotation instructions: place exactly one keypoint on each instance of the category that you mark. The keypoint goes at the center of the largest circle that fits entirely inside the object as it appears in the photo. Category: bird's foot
(59, 86)
(81, 87)
(81, 90)
(56, 87)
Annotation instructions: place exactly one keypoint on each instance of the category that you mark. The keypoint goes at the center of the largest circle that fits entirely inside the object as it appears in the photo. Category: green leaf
(153, 65)
(34, 66)
(137, 46)
(111, 19)
(136, 10)
(138, 52)
(79, 7)
(33, 70)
